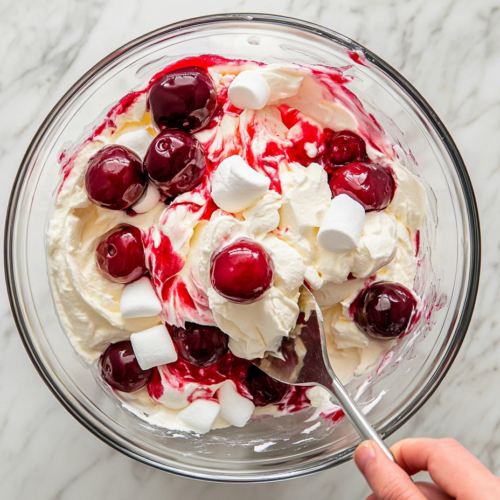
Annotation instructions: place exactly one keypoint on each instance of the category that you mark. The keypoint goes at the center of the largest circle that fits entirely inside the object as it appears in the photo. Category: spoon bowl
(304, 361)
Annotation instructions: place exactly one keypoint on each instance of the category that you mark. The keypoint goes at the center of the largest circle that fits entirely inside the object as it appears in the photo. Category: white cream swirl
(259, 327)
(88, 304)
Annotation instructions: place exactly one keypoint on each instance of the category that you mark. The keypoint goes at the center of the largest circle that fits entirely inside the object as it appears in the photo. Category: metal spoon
(305, 362)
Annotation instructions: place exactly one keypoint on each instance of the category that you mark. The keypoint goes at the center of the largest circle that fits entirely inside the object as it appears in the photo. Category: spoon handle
(357, 418)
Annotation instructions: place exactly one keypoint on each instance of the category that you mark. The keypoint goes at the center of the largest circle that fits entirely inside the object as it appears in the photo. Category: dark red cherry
(200, 345)
(115, 178)
(370, 184)
(120, 254)
(175, 162)
(384, 310)
(120, 369)
(242, 271)
(183, 99)
(341, 148)
(264, 389)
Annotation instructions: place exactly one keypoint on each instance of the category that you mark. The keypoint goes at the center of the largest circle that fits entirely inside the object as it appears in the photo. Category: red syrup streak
(155, 387)
(359, 58)
(295, 400)
(301, 131)
(334, 416)
(204, 61)
(415, 317)
(267, 162)
(164, 267)
(182, 301)
(229, 367)
(184, 295)
(121, 107)
(417, 243)
(223, 106)
(163, 262)
(66, 169)
(334, 82)
(210, 208)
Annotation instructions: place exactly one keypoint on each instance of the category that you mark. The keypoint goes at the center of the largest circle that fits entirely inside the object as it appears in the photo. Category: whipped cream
(181, 238)
(87, 303)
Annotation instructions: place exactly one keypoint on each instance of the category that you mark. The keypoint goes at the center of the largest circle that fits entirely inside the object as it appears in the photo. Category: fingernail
(363, 455)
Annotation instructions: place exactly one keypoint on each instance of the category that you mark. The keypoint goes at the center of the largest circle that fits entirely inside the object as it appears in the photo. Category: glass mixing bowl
(268, 448)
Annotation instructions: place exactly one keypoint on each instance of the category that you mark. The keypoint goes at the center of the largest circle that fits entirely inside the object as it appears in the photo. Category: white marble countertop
(449, 49)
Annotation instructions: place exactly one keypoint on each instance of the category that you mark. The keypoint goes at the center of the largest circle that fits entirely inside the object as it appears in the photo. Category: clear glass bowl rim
(197, 22)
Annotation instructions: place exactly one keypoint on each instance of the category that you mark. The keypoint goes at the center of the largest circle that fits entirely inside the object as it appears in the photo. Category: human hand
(456, 473)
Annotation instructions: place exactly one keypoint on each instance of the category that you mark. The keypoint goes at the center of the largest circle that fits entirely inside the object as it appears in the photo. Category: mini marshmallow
(343, 225)
(249, 90)
(234, 408)
(200, 415)
(153, 347)
(236, 185)
(138, 141)
(148, 200)
(139, 300)
(283, 81)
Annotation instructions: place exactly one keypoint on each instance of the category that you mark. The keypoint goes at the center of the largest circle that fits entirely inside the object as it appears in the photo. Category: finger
(432, 491)
(450, 466)
(386, 479)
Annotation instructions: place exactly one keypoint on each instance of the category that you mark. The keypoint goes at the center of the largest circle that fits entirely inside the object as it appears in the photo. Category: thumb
(386, 479)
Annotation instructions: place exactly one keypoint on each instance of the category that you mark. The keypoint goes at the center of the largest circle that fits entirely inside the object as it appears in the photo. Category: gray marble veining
(449, 49)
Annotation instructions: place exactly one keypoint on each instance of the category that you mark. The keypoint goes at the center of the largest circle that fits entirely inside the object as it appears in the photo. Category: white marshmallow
(249, 90)
(283, 81)
(200, 415)
(234, 408)
(138, 141)
(139, 300)
(153, 347)
(148, 200)
(343, 224)
(236, 185)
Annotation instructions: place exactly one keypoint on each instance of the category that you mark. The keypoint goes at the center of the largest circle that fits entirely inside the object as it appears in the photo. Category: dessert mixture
(187, 223)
